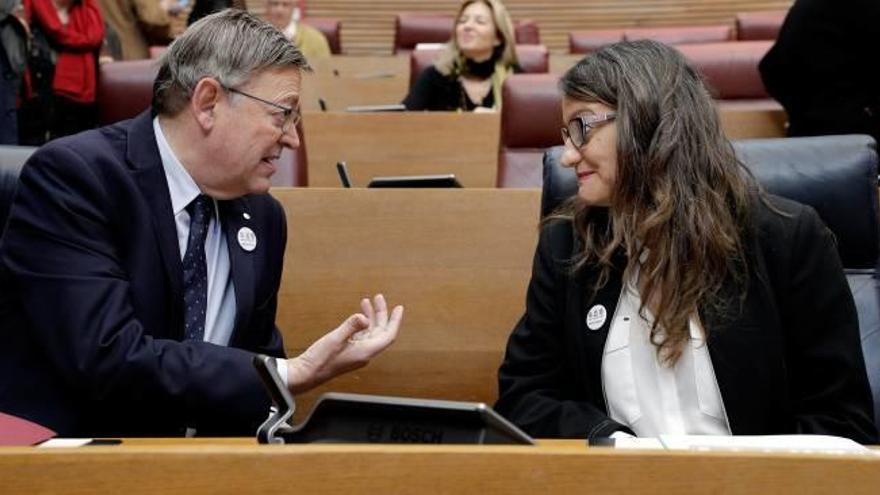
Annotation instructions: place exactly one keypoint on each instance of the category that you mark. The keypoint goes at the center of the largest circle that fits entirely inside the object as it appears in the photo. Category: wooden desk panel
(458, 260)
(747, 122)
(402, 143)
(343, 81)
(359, 66)
(195, 468)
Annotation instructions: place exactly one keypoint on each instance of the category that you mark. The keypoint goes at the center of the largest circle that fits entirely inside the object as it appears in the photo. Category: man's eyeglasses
(578, 129)
(291, 115)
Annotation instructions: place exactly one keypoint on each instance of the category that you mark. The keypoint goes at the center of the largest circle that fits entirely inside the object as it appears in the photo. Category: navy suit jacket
(91, 309)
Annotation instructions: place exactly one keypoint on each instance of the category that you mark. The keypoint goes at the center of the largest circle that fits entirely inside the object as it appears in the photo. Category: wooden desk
(459, 261)
(343, 81)
(747, 121)
(402, 143)
(362, 66)
(241, 466)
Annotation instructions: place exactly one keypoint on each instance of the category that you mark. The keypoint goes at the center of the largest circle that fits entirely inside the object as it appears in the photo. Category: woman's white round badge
(247, 239)
(596, 317)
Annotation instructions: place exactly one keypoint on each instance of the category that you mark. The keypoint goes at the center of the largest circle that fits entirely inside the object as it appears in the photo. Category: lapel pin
(596, 317)
(247, 239)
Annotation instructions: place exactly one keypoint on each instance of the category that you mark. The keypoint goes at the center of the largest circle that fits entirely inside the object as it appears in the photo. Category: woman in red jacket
(64, 63)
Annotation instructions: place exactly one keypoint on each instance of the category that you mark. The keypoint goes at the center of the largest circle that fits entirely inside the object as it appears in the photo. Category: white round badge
(596, 317)
(247, 239)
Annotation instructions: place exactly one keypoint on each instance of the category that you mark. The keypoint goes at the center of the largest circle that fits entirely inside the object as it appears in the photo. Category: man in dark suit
(141, 263)
(823, 68)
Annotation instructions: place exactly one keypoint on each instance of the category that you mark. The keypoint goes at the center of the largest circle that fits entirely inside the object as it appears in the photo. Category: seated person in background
(284, 15)
(671, 295)
(823, 68)
(473, 66)
(141, 263)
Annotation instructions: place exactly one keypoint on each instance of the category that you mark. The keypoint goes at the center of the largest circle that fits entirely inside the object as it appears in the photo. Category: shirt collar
(290, 30)
(181, 186)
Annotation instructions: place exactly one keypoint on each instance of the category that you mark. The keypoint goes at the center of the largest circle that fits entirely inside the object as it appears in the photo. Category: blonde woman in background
(479, 57)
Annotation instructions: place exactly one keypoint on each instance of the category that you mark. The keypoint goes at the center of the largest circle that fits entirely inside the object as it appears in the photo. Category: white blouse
(650, 397)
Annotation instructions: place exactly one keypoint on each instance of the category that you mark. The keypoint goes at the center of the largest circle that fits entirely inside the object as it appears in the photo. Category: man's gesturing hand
(350, 346)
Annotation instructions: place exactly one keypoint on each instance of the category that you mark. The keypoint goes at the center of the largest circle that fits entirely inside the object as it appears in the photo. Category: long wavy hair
(680, 206)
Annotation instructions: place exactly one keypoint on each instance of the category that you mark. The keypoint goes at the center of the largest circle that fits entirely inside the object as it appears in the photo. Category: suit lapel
(745, 357)
(236, 218)
(593, 321)
(593, 314)
(143, 157)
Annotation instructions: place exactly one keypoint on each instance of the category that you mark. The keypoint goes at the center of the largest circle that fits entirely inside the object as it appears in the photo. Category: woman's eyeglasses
(578, 129)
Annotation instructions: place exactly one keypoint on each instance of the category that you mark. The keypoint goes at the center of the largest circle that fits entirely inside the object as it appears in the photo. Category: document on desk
(807, 444)
(637, 443)
(61, 443)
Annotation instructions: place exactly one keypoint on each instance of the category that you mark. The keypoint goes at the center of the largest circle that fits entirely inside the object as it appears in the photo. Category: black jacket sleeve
(537, 391)
(432, 91)
(830, 393)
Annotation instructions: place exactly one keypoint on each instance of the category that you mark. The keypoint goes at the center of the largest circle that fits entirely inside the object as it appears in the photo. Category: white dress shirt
(647, 395)
(290, 30)
(220, 314)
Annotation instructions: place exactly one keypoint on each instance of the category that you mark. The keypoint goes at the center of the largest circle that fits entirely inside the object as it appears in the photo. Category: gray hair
(231, 46)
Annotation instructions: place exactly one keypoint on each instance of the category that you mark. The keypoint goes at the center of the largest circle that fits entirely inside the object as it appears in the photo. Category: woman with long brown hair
(671, 295)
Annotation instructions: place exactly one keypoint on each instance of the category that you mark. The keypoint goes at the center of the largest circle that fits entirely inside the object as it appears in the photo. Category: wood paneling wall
(368, 25)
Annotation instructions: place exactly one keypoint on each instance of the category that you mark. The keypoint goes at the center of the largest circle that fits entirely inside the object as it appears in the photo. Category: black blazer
(91, 312)
(789, 361)
(437, 92)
